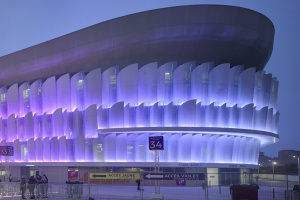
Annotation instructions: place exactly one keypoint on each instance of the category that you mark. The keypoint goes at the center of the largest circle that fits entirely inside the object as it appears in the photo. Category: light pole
(298, 169)
(273, 164)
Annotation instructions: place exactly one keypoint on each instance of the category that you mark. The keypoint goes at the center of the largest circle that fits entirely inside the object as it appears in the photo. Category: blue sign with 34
(156, 143)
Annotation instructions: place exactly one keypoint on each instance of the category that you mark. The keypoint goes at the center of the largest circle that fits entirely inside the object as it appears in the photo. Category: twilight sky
(27, 23)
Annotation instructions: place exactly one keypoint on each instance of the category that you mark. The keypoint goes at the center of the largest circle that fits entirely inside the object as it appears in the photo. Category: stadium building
(90, 100)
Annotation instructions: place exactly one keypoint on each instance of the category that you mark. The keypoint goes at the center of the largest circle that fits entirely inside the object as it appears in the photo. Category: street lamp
(273, 164)
(298, 169)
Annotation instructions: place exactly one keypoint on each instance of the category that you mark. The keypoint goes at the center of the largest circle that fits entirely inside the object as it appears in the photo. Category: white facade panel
(3, 105)
(147, 84)
(218, 84)
(24, 99)
(121, 147)
(49, 95)
(77, 91)
(11, 128)
(54, 149)
(246, 87)
(165, 83)
(90, 122)
(17, 151)
(187, 114)
(62, 149)
(31, 150)
(36, 99)
(63, 92)
(29, 130)
(39, 150)
(233, 84)
(13, 100)
(109, 86)
(182, 82)
(127, 85)
(199, 82)
(93, 93)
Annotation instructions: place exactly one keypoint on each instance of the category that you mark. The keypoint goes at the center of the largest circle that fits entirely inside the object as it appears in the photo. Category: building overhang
(266, 138)
(133, 164)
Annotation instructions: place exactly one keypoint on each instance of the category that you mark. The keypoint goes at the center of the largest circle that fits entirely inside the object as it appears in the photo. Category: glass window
(80, 84)
(3, 97)
(26, 94)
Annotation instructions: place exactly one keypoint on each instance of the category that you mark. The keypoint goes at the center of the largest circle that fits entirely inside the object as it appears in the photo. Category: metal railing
(191, 190)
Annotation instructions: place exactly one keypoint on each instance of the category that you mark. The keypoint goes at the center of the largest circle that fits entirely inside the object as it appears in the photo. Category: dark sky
(26, 23)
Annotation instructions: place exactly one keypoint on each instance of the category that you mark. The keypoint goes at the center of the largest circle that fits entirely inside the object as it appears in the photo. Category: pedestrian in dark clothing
(31, 186)
(44, 186)
(39, 185)
(23, 186)
(10, 178)
(138, 182)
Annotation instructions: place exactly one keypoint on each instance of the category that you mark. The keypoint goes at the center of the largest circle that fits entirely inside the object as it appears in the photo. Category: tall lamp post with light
(273, 164)
(298, 169)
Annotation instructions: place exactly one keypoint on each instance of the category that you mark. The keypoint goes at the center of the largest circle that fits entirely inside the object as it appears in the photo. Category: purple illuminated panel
(63, 120)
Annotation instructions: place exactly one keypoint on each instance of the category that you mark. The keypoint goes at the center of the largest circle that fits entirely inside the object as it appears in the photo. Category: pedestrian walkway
(124, 192)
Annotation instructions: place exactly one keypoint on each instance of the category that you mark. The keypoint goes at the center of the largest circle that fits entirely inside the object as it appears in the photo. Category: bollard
(273, 193)
(287, 182)
(207, 193)
(220, 189)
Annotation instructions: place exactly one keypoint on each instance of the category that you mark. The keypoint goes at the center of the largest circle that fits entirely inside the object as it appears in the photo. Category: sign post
(156, 143)
(6, 151)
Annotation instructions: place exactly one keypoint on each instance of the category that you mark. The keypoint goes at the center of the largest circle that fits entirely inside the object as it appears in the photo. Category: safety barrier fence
(267, 190)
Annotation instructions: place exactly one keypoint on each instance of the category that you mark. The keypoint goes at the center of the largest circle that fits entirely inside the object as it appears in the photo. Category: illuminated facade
(211, 107)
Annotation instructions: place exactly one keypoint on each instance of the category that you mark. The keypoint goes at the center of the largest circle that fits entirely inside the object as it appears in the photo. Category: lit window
(204, 78)
(113, 80)
(26, 94)
(168, 77)
(39, 91)
(79, 84)
(3, 97)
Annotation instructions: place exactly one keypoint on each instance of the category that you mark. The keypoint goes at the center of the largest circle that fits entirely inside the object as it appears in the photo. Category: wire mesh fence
(215, 187)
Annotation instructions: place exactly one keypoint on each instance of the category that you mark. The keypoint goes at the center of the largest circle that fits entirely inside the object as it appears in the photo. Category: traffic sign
(114, 176)
(6, 150)
(156, 143)
(174, 176)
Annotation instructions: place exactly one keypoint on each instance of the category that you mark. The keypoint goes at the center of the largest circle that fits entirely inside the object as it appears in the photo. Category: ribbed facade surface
(62, 118)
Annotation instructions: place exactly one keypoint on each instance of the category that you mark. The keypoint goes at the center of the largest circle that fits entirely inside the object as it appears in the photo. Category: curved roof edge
(196, 32)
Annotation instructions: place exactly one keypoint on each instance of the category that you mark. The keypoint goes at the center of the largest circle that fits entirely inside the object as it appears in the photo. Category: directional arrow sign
(120, 176)
(174, 176)
(95, 176)
(154, 176)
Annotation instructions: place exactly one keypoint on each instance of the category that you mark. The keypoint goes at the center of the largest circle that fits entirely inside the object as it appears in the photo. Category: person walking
(138, 182)
(44, 186)
(10, 178)
(39, 185)
(31, 186)
(23, 186)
